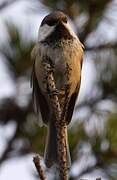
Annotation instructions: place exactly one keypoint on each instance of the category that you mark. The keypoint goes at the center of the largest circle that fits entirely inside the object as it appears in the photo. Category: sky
(18, 168)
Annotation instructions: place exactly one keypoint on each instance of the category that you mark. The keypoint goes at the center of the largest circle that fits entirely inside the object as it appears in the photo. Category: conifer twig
(60, 123)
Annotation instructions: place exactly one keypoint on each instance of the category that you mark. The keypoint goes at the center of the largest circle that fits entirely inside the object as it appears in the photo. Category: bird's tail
(50, 156)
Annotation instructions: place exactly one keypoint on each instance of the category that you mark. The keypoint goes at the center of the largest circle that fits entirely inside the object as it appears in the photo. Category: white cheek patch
(45, 31)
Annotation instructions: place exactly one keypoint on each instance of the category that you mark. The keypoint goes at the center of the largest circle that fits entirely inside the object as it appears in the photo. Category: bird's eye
(52, 22)
(65, 20)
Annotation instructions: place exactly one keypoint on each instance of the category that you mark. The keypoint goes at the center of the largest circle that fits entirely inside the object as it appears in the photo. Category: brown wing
(71, 104)
(39, 99)
(73, 98)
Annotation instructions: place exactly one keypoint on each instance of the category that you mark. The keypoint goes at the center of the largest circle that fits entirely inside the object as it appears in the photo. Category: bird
(58, 43)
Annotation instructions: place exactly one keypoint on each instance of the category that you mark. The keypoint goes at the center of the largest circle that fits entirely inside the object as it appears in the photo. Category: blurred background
(93, 131)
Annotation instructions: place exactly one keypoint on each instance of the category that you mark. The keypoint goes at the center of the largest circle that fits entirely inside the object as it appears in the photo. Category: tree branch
(39, 169)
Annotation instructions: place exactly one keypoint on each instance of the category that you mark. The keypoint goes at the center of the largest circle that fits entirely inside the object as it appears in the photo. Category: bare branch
(39, 169)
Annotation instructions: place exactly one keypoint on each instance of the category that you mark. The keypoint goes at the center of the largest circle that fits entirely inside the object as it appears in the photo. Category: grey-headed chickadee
(61, 46)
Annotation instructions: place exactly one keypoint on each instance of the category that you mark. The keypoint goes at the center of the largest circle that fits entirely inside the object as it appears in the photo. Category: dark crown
(54, 18)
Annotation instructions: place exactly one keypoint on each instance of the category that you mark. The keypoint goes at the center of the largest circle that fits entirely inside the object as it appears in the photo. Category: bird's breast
(66, 60)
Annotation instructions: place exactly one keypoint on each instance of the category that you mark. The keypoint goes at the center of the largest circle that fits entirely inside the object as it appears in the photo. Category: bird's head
(55, 26)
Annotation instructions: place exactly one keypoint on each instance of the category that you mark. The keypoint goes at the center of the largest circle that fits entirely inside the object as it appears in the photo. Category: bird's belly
(59, 73)
(67, 72)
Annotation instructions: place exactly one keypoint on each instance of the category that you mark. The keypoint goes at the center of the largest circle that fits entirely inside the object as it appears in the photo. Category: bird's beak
(60, 23)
